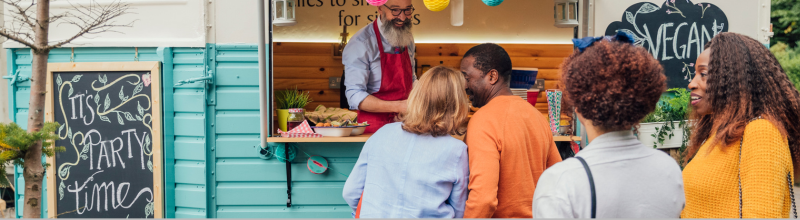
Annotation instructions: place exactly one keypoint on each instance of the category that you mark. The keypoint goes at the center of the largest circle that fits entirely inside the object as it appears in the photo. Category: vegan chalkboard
(110, 116)
(675, 33)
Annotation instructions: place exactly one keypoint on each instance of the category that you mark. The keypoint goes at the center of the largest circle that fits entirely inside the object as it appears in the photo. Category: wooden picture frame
(154, 68)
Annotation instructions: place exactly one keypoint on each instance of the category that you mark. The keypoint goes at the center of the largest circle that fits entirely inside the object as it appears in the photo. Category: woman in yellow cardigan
(744, 145)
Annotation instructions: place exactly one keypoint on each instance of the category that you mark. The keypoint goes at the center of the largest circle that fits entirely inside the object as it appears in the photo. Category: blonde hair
(438, 104)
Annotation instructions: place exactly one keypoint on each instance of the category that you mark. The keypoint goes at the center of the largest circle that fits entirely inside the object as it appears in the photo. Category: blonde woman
(415, 168)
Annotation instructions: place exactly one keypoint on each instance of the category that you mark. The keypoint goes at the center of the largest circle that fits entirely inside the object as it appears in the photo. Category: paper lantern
(377, 2)
(436, 5)
(566, 13)
(492, 2)
(283, 13)
(317, 164)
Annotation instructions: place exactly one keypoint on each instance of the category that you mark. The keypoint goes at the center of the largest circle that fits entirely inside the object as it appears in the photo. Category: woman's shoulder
(762, 129)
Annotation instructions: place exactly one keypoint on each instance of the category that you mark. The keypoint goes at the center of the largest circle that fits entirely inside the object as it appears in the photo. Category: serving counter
(363, 138)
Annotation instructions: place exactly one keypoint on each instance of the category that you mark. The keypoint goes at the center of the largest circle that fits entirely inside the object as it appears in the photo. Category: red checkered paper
(301, 131)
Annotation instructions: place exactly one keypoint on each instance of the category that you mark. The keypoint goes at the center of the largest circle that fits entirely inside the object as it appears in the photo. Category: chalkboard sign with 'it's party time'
(110, 125)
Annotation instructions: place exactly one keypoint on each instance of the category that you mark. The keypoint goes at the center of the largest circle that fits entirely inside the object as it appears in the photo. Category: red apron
(396, 84)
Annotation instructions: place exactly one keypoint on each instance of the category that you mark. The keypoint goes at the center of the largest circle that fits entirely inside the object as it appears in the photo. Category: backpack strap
(591, 186)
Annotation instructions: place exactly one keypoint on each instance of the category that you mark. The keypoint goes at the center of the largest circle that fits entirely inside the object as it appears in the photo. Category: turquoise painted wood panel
(235, 98)
(238, 122)
(182, 212)
(191, 196)
(190, 172)
(339, 211)
(237, 74)
(272, 170)
(189, 124)
(187, 100)
(303, 193)
(190, 148)
(23, 97)
(237, 146)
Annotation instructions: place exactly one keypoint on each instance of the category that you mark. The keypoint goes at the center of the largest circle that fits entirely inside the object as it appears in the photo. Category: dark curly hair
(745, 81)
(491, 56)
(613, 84)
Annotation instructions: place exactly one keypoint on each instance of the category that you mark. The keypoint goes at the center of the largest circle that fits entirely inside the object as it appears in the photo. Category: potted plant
(659, 127)
(290, 99)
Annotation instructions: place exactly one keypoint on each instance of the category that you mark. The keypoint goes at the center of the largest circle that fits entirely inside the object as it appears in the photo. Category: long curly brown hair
(613, 84)
(745, 81)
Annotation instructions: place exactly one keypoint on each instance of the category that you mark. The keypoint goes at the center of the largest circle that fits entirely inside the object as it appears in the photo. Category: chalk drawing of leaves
(84, 157)
(140, 109)
(629, 17)
(121, 94)
(139, 118)
(70, 91)
(61, 190)
(119, 119)
(137, 89)
(148, 209)
(150, 165)
(64, 171)
(97, 98)
(61, 128)
(69, 132)
(129, 116)
(146, 140)
(647, 8)
(103, 79)
(107, 103)
(76, 78)
(85, 148)
(58, 80)
(105, 118)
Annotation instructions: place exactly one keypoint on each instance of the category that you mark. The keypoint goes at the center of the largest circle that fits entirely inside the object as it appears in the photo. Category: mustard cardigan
(711, 178)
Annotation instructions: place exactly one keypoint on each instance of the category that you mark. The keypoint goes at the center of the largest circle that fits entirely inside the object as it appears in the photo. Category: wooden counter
(363, 138)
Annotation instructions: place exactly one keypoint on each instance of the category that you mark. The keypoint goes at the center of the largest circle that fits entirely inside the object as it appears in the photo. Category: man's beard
(397, 36)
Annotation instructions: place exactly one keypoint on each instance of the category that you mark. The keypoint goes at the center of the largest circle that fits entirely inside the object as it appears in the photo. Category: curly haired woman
(747, 133)
(613, 85)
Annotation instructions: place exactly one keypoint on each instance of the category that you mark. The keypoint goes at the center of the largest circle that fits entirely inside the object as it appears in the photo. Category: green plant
(671, 110)
(292, 98)
(789, 58)
(15, 143)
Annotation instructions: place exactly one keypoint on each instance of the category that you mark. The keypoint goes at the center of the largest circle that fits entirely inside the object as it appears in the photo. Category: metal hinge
(16, 78)
(208, 78)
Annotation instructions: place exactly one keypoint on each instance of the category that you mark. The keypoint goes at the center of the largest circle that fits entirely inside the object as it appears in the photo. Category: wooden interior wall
(309, 65)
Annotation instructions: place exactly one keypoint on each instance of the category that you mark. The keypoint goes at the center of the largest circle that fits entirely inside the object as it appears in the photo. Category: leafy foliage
(785, 20)
(292, 98)
(790, 61)
(671, 110)
(15, 142)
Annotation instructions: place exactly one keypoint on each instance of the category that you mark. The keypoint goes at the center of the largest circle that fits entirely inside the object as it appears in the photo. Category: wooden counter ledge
(363, 138)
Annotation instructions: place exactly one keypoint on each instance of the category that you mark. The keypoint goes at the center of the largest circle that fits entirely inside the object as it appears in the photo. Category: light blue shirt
(362, 64)
(405, 175)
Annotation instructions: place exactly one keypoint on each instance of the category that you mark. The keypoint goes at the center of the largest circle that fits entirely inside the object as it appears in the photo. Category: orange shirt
(510, 145)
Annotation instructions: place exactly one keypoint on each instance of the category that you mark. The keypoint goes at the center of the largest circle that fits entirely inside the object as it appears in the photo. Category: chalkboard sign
(110, 116)
(675, 33)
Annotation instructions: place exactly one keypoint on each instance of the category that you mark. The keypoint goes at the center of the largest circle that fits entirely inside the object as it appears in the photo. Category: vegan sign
(107, 128)
(674, 33)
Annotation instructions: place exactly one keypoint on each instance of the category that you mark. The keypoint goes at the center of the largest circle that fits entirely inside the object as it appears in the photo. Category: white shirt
(631, 181)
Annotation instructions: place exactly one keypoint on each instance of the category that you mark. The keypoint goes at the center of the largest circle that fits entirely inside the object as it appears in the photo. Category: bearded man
(378, 64)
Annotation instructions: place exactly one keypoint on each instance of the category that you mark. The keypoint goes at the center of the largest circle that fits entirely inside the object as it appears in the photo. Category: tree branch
(15, 37)
(92, 19)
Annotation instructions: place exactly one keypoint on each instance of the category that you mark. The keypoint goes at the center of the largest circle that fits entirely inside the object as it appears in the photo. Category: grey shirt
(631, 181)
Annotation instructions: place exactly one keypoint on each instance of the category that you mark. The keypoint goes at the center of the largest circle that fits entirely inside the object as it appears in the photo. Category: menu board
(111, 134)
(674, 32)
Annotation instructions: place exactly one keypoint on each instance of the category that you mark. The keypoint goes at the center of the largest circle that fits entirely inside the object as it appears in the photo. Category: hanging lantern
(457, 13)
(436, 5)
(283, 12)
(566, 13)
(492, 2)
(377, 2)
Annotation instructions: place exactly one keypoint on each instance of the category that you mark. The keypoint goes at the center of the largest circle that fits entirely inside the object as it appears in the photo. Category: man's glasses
(396, 12)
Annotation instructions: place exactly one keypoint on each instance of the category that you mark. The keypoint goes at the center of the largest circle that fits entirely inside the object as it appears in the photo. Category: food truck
(202, 139)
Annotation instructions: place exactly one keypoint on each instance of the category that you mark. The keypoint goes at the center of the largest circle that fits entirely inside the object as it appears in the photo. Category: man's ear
(492, 77)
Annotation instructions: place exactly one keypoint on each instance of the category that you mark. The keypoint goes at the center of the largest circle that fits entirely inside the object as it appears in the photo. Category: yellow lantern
(436, 5)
